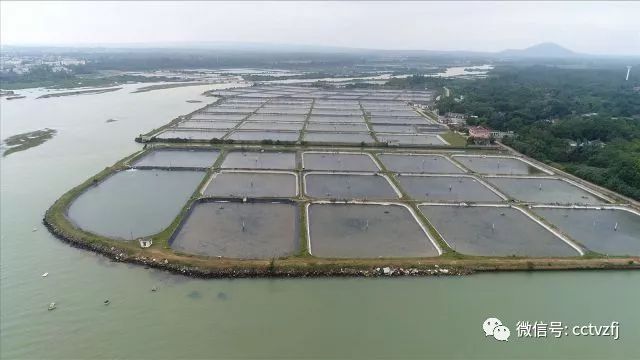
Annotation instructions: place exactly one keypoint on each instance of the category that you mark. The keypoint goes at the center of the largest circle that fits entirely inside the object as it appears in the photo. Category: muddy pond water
(252, 184)
(494, 231)
(178, 158)
(612, 232)
(344, 186)
(240, 230)
(134, 203)
(366, 231)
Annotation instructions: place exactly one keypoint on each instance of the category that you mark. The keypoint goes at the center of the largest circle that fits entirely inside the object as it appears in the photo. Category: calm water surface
(188, 318)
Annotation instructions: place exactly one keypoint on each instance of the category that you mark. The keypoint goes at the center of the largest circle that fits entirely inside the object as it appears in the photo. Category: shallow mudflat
(366, 231)
(544, 190)
(409, 163)
(134, 203)
(252, 184)
(611, 232)
(343, 186)
(240, 230)
(338, 162)
(179, 158)
(25, 141)
(447, 189)
(260, 160)
(494, 231)
(497, 165)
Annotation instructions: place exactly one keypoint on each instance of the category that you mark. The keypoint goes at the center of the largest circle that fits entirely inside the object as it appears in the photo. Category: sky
(607, 28)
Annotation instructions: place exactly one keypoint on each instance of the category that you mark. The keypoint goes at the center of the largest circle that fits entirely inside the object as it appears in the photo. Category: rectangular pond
(330, 112)
(335, 119)
(494, 231)
(447, 189)
(348, 186)
(425, 139)
(218, 117)
(178, 158)
(252, 184)
(276, 117)
(497, 165)
(398, 120)
(240, 230)
(338, 162)
(191, 134)
(337, 138)
(264, 125)
(283, 111)
(361, 127)
(366, 231)
(260, 160)
(419, 163)
(406, 129)
(543, 190)
(250, 135)
(134, 203)
(224, 125)
(607, 231)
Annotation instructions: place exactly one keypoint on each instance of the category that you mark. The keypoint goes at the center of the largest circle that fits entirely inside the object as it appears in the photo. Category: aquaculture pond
(366, 231)
(252, 184)
(338, 161)
(494, 231)
(240, 230)
(337, 137)
(497, 165)
(423, 139)
(544, 190)
(607, 231)
(415, 163)
(134, 203)
(178, 158)
(447, 188)
(348, 186)
(260, 160)
(191, 134)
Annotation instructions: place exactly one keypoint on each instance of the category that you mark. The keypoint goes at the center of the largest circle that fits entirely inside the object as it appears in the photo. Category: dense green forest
(583, 120)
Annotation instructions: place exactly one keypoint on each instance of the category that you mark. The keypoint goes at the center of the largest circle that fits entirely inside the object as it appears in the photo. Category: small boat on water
(52, 306)
(45, 274)
(107, 302)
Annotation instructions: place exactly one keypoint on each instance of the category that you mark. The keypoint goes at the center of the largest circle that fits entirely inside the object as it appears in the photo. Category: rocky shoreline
(254, 271)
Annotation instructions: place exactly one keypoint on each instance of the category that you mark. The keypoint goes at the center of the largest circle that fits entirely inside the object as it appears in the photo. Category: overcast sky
(589, 27)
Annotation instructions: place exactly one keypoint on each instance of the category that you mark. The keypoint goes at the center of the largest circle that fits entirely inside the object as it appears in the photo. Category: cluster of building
(22, 64)
(480, 135)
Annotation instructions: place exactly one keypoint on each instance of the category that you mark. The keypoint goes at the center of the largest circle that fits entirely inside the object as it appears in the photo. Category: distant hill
(543, 50)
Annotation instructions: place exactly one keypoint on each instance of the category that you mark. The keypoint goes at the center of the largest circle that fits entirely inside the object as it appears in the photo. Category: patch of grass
(454, 139)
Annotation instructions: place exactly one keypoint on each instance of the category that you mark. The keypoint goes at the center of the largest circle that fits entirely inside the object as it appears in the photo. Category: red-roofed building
(479, 134)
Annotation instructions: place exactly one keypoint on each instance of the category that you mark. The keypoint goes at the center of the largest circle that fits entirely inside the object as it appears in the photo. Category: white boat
(52, 306)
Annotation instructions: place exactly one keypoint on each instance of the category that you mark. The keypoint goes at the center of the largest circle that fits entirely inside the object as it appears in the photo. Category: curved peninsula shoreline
(299, 261)
(162, 256)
